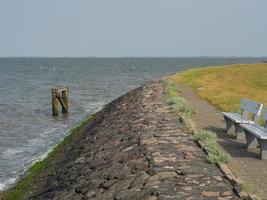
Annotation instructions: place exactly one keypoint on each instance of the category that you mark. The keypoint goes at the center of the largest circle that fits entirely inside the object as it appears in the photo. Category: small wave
(14, 176)
(50, 131)
(12, 152)
(94, 106)
(4, 185)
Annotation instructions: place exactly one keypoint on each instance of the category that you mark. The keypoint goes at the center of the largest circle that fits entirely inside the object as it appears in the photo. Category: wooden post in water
(54, 102)
(65, 99)
(60, 95)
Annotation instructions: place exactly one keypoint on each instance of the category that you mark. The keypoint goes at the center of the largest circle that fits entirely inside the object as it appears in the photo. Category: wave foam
(94, 106)
(10, 181)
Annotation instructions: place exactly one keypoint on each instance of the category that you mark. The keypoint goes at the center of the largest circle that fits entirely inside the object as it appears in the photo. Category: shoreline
(133, 147)
(23, 181)
(13, 181)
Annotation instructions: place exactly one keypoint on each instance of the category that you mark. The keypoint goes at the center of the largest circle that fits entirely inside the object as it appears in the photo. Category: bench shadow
(237, 149)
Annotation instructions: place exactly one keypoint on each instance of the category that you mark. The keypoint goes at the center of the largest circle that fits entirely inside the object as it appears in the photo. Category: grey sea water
(27, 129)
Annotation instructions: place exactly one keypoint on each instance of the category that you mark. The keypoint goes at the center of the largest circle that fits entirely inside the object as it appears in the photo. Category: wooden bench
(254, 133)
(248, 108)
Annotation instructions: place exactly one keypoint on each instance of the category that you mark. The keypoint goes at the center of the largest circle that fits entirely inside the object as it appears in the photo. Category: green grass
(248, 187)
(216, 154)
(171, 88)
(177, 103)
(23, 185)
(225, 86)
(205, 136)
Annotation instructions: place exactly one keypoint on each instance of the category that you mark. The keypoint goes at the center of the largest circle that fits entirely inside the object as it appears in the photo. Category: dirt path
(245, 164)
(133, 149)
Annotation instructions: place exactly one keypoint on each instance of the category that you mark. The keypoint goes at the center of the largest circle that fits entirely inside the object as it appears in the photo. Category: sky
(133, 28)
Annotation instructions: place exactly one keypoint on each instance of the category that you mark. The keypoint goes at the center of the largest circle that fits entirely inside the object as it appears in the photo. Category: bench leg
(229, 123)
(251, 140)
(263, 147)
(238, 132)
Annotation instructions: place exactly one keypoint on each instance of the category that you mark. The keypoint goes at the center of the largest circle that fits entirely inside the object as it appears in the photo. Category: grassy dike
(32, 174)
(224, 86)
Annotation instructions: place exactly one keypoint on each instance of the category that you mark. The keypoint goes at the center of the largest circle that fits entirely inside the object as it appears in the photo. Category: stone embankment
(133, 149)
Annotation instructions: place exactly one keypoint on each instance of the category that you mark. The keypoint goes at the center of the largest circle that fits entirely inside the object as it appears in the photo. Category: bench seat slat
(255, 129)
(237, 118)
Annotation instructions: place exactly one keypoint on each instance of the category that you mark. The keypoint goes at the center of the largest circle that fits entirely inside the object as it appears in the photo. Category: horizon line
(133, 56)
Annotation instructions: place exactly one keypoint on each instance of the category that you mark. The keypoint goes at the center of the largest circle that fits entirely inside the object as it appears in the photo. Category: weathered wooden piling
(65, 100)
(60, 94)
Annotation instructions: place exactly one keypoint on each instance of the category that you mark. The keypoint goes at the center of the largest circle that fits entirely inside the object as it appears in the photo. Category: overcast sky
(133, 28)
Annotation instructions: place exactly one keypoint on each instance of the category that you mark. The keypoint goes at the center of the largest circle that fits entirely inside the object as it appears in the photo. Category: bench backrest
(264, 117)
(249, 106)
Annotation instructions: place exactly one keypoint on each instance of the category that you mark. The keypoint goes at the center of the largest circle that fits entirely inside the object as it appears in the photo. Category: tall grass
(177, 103)
(171, 89)
(225, 86)
(216, 154)
(248, 187)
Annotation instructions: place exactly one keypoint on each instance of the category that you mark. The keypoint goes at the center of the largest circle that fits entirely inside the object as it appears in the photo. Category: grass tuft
(205, 136)
(248, 187)
(216, 154)
(181, 106)
(177, 103)
(170, 88)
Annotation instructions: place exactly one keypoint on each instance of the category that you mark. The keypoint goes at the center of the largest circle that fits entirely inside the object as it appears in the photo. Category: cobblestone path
(133, 149)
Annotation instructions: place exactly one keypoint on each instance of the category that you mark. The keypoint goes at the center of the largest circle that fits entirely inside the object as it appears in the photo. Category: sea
(28, 130)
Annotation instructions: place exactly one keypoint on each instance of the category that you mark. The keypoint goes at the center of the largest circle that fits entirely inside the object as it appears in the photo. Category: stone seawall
(133, 149)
